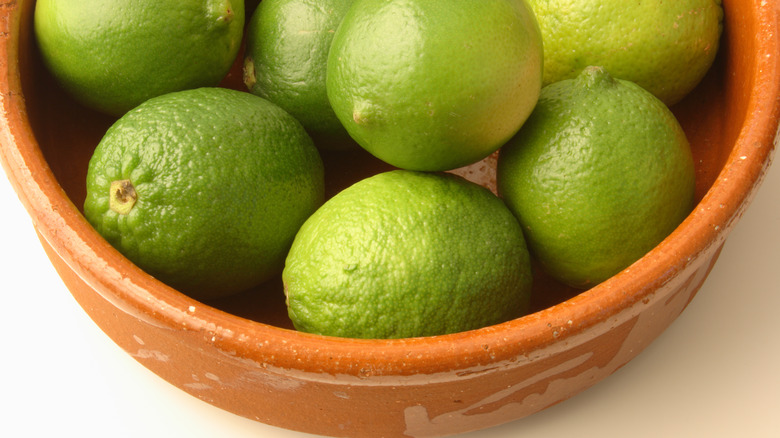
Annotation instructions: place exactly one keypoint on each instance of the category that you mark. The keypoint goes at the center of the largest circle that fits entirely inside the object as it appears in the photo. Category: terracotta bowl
(242, 355)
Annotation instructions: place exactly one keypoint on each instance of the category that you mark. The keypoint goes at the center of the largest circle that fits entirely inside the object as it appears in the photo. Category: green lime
(405, 254)
(665, 47)
(204, 189)
(427, 85)
(599, 175)
(111, 55)
(286, 59)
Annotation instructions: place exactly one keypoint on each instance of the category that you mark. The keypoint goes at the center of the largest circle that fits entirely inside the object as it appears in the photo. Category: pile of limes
(215, 190)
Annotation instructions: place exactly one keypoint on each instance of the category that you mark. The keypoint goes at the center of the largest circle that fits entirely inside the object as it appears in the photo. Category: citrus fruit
(286, 58)
(406, 253)
(599, 174)
(431, 86)
(111, 56)
(666, 47)
(204, 189)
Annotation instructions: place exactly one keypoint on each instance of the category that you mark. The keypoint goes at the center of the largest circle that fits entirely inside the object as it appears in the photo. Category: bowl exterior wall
(421, 405)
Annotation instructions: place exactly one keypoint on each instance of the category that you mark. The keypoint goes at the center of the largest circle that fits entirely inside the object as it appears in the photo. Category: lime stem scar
(122, 196)
(250, 77)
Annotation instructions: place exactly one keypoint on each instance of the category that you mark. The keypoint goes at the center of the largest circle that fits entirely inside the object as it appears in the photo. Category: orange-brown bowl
(409, 387)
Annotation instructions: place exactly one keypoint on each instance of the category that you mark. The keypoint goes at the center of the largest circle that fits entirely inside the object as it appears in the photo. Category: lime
(204, 188)
(286, 59)
(405, 254)
(111, 56)
(600, 174)
(666, 47)
(427, 85)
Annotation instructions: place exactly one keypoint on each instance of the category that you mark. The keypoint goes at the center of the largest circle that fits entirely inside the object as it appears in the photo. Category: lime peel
(222, 11)
(596, 75)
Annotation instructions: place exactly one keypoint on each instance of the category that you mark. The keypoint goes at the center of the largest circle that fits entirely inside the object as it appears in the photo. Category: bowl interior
(67, 133)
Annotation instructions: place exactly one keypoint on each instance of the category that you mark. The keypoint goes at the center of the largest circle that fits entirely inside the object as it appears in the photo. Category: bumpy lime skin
(599, 175)
(223, 180)
(405, 254)
(432, 86)
(113, 55)
(286, 58)
(665, 47)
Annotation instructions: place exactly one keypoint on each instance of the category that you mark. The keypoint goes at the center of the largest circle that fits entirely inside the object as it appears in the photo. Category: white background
(714, 373)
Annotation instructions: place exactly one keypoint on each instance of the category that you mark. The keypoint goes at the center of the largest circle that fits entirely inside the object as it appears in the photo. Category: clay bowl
(242, 355)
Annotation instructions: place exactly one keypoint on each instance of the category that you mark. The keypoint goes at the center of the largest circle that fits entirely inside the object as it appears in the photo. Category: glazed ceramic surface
(242, 355)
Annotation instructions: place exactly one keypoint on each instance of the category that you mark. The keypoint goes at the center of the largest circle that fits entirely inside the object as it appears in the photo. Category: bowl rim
(60, 223)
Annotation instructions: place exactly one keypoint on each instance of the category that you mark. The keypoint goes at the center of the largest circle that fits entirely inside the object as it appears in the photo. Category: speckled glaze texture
(242, 355)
